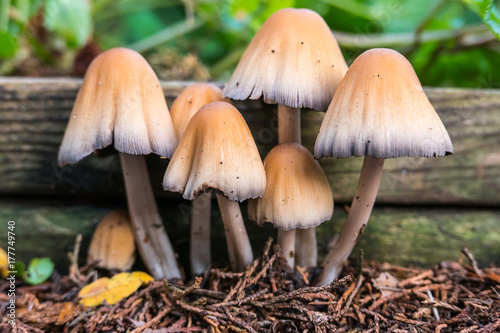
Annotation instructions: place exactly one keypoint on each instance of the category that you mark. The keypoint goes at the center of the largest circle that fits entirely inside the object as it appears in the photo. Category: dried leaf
(3, 263)
(385, 282)
(112, 290)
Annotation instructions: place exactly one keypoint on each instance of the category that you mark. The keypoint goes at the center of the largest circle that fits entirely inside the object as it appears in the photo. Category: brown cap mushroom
(113, 242)
(217, 153)
(189, 101)
(121, 102)
(297, 194)
(380, 111)
(293, 60)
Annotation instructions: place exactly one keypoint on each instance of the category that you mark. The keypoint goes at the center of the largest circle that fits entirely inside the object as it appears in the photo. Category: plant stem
(239, 248)
(200, 252)
(358, 216)
(152, 241)
(4, 15)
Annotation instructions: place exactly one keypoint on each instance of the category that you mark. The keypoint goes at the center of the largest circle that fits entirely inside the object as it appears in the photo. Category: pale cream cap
(293, 60)
(381, 110)
(113, 242)
(297, 194)
(217, 152)
(121, 101)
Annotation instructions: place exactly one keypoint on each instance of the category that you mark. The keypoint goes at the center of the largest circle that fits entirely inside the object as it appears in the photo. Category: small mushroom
(297, 194)
(379, 111)
(121, 102)
(113, 243)
(293, 61)
(217, 153)
(189, 101)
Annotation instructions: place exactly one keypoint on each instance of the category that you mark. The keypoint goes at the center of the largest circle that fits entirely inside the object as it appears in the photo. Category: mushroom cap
(380, 110)
(217, 152)
(121, 101)
(191, 100)
(113, 242)
(293, 60)
(297, 194)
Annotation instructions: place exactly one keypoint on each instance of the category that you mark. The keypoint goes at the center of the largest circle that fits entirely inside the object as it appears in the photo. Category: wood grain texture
(401, 236)
(34, 113)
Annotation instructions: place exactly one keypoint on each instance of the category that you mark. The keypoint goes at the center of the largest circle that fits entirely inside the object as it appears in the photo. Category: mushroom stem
(288, 124)
(358, 216)
(200, 252)
(152, 241)
(286, 241)
(239, 248)
(305, 240)
(305, 247)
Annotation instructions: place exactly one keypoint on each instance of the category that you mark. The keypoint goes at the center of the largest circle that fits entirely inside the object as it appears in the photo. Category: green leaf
(69, 18)
(19, 268)
(8, 45)
(488, 13)
(39, 270)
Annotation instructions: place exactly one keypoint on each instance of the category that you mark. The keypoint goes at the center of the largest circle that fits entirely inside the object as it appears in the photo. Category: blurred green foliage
(449, 42)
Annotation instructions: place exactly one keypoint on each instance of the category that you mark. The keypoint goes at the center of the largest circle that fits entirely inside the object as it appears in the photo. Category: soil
(271, 297)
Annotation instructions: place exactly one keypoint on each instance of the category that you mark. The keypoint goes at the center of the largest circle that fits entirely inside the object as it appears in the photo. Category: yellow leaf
(112, 290)
(3, 263)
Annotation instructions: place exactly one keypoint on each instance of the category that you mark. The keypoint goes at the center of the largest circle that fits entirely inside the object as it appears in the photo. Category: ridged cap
(293, 60)
(217, 152)
(121, 101)
(191, 100)
(297, 194)
(381, 110)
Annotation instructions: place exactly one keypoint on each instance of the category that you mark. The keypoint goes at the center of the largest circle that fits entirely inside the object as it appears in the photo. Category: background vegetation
(449, 42)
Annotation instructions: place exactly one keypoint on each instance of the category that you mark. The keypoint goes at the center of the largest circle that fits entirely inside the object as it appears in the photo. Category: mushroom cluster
(377, 109)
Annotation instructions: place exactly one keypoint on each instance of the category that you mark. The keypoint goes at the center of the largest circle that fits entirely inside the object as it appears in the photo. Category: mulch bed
(270, 297)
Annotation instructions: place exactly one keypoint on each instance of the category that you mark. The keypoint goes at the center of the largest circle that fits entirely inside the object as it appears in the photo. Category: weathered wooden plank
(34, 112)
(403, 236)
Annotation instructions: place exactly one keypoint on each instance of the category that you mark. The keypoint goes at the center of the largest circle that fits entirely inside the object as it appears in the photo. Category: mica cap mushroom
(189, 101)
(379, 111)
(293, 60)
(120, 102)
(113, 242)
(218, 153)
(297, 194)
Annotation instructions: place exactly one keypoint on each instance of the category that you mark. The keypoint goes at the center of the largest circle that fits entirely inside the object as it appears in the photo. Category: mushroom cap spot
(121, 102)
(293, 60)
(380, 110)
(189, 101)
(297, 194)
(113, 242)
(216, 133)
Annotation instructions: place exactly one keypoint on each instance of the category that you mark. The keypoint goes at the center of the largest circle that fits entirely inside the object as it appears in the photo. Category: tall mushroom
(121, 102)
(217, 153)
(189, 101)
(380, 111)
(297, 194)
(293, 61)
